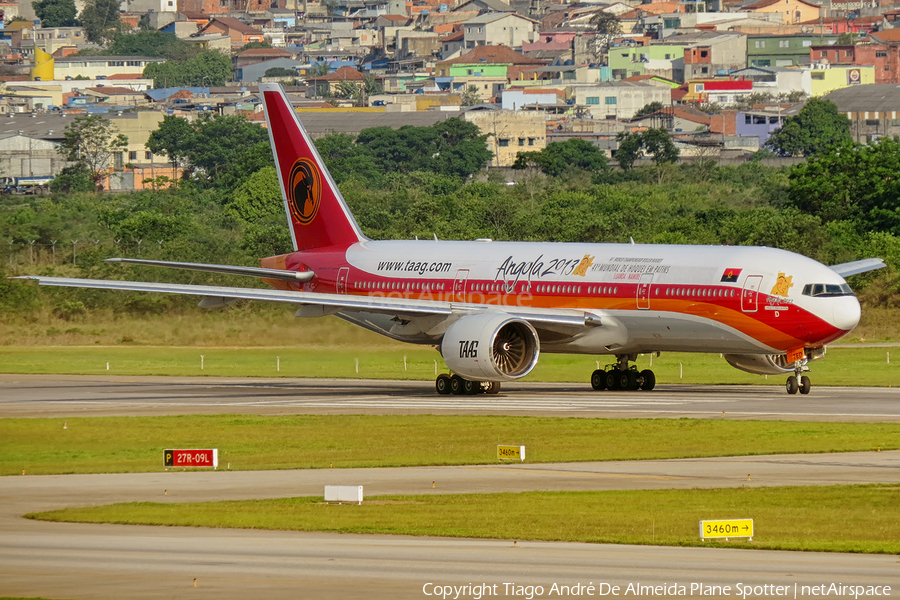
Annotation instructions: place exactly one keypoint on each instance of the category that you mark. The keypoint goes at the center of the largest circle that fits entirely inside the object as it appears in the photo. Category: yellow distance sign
(726, 528)
(511, 453)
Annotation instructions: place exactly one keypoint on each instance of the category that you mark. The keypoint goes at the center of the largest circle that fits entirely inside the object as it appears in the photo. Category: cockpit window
(827, 290)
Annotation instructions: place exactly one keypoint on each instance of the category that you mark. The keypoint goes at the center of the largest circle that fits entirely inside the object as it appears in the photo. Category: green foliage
(853, 182)
(559, 157)
(470, 96)
(74, 178)
(56, 13)
(15, 297)
(152, 43)
(817, 127)
(654, 141)
(280, 72)
(91, 142)
(258, 197)
(254, 46)
(209, 68)
(217, 151)
(101, 22)
(649, 109)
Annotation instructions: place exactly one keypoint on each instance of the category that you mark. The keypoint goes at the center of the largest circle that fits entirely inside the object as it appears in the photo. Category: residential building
(620, 99)
(764, 50)
(776, 80)
(487, 61)
(717, 91)
(873, 110)
(510, 132)
(116, 96)
(522, 98)
(508, 29)
(827, 78)
(49, 39)
(240, 33)
(102, 67)
(791, 11)
(652, 59)
(676, 119)
(884, 57)
(28, 155)
(760, 123)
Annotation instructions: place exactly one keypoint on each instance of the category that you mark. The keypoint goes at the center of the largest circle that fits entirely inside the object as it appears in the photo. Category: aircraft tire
(493, 387)
(456, 385)
(791, 385)
(470, 388)
(612, 379)
(805, 385)
(442, 384)
(598, 380)
(649, 380)
(628, 380)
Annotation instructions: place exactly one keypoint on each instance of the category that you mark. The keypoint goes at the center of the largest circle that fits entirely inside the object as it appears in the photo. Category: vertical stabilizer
(315, 209)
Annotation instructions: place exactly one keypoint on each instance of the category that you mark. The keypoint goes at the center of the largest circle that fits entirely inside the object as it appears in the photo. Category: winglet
(858, 266)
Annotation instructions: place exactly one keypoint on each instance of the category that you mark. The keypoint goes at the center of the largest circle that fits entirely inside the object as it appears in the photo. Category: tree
(607, 26)
(470, 97)
(56, 13)
(817, 127)
(852, 182)
(559, 157)
(152, 43)
(280, 72)
(74, 178)
(654, 142)
(207, 68)
(649, 109)
(174, 138)
(254, 46)
(101, 22)
(92, 142)
(218, 151)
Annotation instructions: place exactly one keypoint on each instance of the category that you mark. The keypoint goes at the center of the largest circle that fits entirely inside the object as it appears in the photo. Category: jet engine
(760, 364)
(491, 347)
(770, 364)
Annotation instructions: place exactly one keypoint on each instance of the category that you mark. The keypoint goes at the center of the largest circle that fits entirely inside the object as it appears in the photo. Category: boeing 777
(491, 307)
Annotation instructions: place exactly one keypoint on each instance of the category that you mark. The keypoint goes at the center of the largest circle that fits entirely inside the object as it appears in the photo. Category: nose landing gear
(797, 382)
(620, 376)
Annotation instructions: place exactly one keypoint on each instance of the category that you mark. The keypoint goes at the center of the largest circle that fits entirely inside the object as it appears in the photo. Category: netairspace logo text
(477, 591)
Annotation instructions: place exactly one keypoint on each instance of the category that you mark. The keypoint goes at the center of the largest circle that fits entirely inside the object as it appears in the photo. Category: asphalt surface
(59, 560)
(54, 395)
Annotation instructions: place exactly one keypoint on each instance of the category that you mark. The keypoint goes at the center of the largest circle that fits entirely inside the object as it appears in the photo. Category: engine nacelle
(491, 347)
(770, 364)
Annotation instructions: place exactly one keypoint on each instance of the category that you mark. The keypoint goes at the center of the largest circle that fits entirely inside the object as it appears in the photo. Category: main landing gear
(797, 382)
(454, 384)
(620, 376)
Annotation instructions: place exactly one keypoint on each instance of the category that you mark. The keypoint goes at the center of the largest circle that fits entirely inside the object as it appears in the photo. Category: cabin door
(643, 291)
(750, 293)
(459, 285)
(343, 274)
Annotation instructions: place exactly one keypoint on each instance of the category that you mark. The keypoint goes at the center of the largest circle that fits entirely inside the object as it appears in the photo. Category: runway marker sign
(726, 528)
(511, 453)
(192, 458)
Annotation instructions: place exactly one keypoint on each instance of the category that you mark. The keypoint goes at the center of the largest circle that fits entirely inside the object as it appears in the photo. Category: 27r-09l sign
(192, 458)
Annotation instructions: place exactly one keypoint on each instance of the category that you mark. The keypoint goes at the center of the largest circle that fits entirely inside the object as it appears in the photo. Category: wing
(384, 305)
(858, 266)
(229, 269)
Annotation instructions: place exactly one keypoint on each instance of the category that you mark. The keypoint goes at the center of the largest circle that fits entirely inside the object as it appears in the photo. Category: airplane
(490, 307)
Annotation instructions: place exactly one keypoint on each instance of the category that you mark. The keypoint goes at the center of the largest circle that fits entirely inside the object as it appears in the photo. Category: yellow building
(510, 132)
(836, 77)
(791, 11)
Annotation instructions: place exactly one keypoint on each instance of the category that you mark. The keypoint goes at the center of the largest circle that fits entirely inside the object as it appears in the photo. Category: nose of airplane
(846, 312)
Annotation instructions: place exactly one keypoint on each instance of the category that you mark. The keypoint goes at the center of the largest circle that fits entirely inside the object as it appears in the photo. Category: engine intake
(491, 347)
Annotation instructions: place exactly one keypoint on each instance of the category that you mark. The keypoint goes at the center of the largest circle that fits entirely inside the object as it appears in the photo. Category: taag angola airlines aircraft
(491, 307)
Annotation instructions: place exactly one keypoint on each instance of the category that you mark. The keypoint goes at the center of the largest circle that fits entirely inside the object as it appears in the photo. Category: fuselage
(730, 299)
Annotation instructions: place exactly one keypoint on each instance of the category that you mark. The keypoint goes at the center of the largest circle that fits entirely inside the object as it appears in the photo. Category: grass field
(838, 518)
(246, 442)
(842, 366)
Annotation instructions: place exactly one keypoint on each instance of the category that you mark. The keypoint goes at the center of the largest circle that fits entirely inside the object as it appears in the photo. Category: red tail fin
(316, 211)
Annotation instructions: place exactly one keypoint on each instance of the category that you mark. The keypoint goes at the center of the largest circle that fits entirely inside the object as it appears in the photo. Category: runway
(46, 396)
(73, 561)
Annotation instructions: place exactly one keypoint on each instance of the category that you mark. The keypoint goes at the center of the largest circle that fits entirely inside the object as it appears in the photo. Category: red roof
(264, 52)
(125, 76)
(115, 91)
(888, 35)
(493, 55)
(342, 74)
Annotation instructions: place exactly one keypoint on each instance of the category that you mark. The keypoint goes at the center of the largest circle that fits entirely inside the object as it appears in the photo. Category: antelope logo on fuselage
(304, 190)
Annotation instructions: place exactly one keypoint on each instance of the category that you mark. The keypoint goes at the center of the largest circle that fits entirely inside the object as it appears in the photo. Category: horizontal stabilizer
(228, 269)
(858, 266)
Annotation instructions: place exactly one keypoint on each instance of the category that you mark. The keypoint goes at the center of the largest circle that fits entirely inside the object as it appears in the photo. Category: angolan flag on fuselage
(731, 275)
